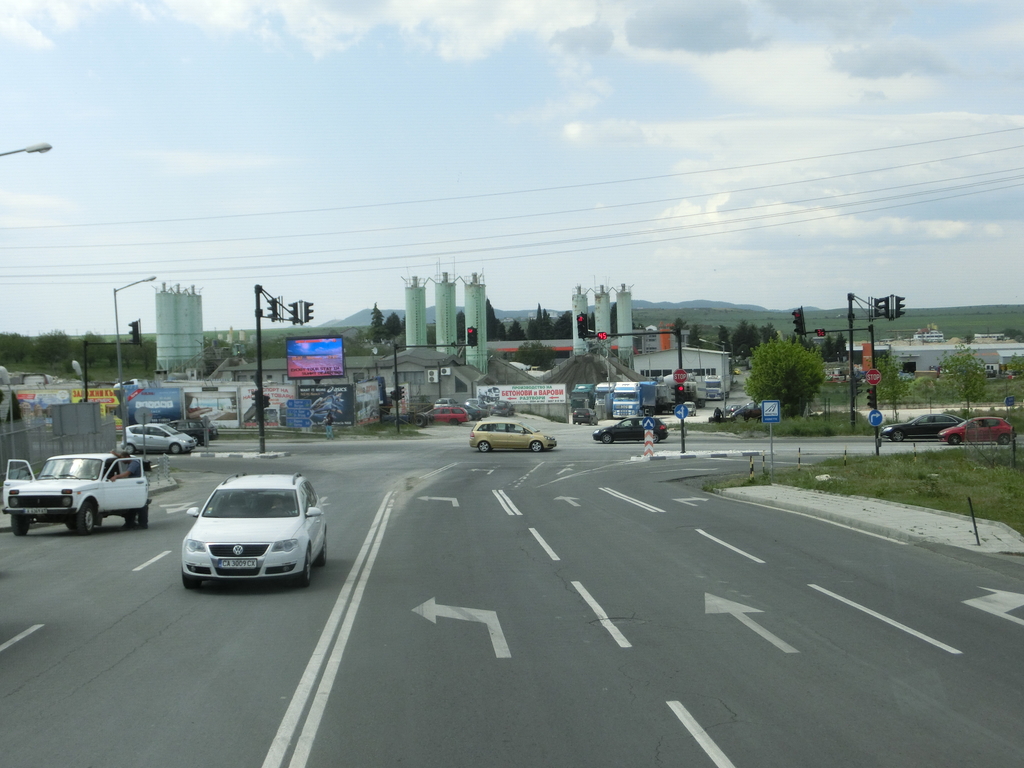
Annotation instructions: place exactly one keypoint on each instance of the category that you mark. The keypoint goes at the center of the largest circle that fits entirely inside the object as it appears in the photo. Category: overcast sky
(770, 152)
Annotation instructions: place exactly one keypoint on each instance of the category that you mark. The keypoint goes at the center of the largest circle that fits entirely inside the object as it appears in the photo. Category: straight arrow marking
(999, 603)
(455, 502)
(430, 610)
(713, 604)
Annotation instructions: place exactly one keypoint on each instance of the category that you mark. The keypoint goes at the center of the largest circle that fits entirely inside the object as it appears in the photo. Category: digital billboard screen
(315, 357)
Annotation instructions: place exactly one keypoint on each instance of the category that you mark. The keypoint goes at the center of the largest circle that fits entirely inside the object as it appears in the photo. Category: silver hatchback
(146, 438)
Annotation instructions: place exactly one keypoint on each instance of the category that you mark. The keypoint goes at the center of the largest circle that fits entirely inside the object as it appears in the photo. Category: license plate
(238, 563)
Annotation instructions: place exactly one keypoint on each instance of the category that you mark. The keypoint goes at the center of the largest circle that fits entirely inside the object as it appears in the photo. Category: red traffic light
(820, 332)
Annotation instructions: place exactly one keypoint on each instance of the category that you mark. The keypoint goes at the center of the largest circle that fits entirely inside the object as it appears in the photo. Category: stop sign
(679, 377)
(873, 377)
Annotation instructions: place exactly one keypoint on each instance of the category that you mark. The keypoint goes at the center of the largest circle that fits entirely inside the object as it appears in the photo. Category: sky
(770, 152)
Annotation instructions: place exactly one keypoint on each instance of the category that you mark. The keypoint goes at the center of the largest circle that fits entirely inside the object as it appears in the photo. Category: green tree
(377, 323)
(785, 371)
(745, 339)
(725, 338)
(53, 350)
(15, 348)
(965, 373)
(892, 390)
(696, 335)
(767, 332)
(562, 328)
(515, 331)
(536, 354)
(393, 326)
(1016, 365)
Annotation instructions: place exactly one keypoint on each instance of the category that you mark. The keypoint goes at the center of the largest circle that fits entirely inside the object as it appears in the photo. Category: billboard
(273, 414)
(337, 399)
(315, 357)
(220, 406)
(367, 402)
(546, 394)
(164, 402)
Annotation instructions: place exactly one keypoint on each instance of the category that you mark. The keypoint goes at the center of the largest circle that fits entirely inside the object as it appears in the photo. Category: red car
(450, 414)
(983, 429)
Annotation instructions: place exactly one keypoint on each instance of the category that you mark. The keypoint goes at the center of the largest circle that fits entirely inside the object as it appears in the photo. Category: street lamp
(40, 148)
(5, 378)
(117, 331)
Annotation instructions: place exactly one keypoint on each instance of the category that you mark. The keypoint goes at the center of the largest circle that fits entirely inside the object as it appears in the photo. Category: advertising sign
(273, 414)
(545, 394)
(337, 399)
(219, 406)
(367, 402)
(164, 403)
(315, 358)
(35, 404)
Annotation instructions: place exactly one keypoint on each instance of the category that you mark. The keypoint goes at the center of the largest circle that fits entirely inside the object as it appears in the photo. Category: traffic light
(275, 310)
(293, 313)
(266, 402)
(820, 333)
(897, 307)
(881, 308)
(582, 328)
(136, 326)
(798, 322)
(872, 398)
(399, 393)
(307, 312)
(680, 394)
(602, 336)
(471, 336)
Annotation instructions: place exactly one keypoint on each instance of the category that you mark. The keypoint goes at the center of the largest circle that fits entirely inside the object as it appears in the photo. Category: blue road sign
(648, 422)
(682, 411)
(1009, 401)
(875, 418)
(771, 411)
(298, 413)
(299, 403)
(299, 422)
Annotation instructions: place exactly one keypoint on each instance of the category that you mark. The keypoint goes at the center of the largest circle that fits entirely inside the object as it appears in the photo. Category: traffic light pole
(259, 373)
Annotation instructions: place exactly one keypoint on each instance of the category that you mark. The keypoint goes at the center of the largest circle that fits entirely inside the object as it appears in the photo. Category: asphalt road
(570, 608)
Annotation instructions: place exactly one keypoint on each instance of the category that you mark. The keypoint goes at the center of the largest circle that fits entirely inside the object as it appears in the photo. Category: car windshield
(254, 503)
(79, 469)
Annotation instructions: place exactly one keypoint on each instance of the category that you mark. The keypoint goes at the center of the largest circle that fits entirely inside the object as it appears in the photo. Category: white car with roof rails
(256, 527)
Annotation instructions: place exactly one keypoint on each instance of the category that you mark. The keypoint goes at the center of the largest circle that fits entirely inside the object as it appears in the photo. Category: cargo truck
(634, 398)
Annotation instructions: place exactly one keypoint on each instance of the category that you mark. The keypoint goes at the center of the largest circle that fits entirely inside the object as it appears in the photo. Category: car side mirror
(192, 512)
(314, 512)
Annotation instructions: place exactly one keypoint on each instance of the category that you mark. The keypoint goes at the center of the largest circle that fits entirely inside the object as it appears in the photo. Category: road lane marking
(631, 500)
(689, 500)
(290, 721)
(506, 502)
(438, 471)
(20, 636)
(540, 540)
(999, 603)
(713, 604)
(605, 621)
(887, 620)
(430, 610)
(454, 502)
(171, 509)
(568, 499)
(153, 560)
(700, 735)
(729, 546)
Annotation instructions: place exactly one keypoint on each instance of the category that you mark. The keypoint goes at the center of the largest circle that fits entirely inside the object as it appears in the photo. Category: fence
(35, 442)
(994, 455)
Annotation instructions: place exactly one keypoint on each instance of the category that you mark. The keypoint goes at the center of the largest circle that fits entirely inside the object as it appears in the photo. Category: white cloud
(844, 18)
(691, 25)
(891, 58)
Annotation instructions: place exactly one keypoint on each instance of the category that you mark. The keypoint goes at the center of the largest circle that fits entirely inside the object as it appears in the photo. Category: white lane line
(887, 620)
(20, 636)
(150, 562)
(316, 710)
(631, 500)
(506, 502)
(170, 509)
(605, 621)
(290, 721)
(540, 540)
(701, 736)
(730, 546)
(438, 471)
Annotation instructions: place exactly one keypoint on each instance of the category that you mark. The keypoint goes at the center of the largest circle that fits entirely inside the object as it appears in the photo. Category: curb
(697, 455)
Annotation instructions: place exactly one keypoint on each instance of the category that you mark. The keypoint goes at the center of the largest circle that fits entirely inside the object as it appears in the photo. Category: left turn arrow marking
(430, 610)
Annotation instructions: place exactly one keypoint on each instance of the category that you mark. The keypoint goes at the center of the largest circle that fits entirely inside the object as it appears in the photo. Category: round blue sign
(875, 418)
(682, 411)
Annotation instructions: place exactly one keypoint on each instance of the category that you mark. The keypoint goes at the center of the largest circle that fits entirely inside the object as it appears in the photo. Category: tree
(965, 373)
(516, 332)
(767, 332)
(1015, 365)
(53, 349)
(15, 348)
(393, 325)
(695, 336)
(892, 389)
(562, 329)
(377, 323)
(745, 339)
(785, 371)
(535, 354)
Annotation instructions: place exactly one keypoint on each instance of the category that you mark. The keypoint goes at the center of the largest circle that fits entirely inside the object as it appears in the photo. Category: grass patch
(934, 479)
(813, 426)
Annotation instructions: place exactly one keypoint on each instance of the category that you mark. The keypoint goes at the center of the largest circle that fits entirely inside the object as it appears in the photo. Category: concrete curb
(697, 455)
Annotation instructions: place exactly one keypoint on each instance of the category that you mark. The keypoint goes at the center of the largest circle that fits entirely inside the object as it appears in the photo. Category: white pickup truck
(77, 490)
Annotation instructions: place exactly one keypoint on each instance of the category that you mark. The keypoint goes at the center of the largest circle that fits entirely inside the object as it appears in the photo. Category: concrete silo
(602, 311)
(416, 312)
(476, 317)
(179, 328)
(446, 330)
(624, 321)
(579, 307)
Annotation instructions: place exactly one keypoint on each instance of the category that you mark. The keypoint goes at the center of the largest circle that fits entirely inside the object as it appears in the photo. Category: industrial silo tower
(179, 328)
(446, 330)
(602, 311)
(416, 312)
(624, 321)
(476, 317)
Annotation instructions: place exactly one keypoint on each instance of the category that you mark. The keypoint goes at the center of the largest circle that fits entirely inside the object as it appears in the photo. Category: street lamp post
(117, 331)
(40, 148)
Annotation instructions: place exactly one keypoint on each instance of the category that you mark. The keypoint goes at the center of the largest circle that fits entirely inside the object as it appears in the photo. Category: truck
(713, 388)
(669, 394)
(583, 396)
(634, 398)
(79, 490)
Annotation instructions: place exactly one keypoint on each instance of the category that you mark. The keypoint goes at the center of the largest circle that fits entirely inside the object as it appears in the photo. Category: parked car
(584, 416)
(503, 408)
(153, 438)
(195, 429)
(449, 414)
(630, 429)
(926, 427)
(746, 412)
(983, 429)
(493, 433)
(476, 409)
(253, 527)
(445, 401)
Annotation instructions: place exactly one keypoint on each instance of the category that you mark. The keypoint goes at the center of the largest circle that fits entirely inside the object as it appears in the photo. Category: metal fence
(993, 454)
(35, 442)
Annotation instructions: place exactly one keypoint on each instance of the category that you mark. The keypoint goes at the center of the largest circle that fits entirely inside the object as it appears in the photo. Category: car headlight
(191, 545)
(286, 545)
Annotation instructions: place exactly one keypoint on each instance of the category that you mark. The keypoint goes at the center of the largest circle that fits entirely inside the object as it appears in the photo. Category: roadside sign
(143, 415)
(299, 422)
(681, 411)
(298, 413)
(771, 411)
(1009, 401)
(873, 376)
(680, 376)
(875, 418)
(648, 422)
(298, 403)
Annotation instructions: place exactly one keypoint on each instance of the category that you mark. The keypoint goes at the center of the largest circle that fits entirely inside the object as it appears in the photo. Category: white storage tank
(416, 312)
(446, 331)
(179, 327)
(624, 321)
(476, 317)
